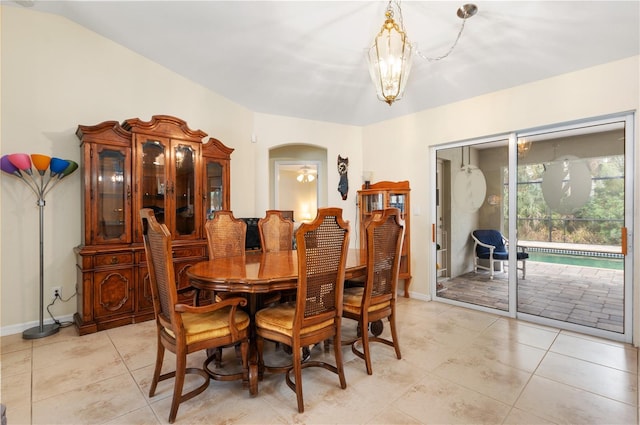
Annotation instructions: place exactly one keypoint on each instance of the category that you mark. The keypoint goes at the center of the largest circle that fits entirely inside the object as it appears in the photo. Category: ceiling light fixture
(305, 176)
(390, 56)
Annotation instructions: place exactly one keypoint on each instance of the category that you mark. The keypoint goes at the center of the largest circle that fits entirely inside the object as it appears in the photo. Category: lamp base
(40, 332)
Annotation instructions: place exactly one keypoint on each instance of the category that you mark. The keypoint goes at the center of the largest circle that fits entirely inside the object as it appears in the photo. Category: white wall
(597, 91)
(338, 139)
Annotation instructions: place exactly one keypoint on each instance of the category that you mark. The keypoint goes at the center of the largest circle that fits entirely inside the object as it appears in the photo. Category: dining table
(257, 275)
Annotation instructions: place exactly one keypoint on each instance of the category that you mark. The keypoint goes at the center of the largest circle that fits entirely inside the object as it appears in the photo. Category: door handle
(624, 241)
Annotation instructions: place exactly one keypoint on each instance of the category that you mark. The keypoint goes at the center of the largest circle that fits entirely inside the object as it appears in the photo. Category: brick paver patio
(586, 296)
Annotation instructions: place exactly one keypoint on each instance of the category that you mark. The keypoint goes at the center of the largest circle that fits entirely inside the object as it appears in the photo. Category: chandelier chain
(453, 46)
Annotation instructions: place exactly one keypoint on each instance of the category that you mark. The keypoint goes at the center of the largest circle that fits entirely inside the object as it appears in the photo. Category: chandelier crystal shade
(391, 55)
(390, 60)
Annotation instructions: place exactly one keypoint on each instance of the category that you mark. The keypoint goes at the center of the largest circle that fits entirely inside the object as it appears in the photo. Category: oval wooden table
(258, 274)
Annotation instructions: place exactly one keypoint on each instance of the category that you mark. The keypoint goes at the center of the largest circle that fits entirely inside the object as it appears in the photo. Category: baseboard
(20, 327)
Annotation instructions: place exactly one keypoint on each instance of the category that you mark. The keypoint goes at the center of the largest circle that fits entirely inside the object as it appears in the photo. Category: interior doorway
(296, 188)
(298, 179)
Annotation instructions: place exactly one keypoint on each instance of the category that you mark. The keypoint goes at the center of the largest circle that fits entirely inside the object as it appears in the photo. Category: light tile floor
(458, 366)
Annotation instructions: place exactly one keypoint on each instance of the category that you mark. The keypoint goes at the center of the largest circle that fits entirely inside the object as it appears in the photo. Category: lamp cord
(56, 321)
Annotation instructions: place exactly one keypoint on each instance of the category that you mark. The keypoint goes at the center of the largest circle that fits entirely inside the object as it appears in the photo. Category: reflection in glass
(111, 201)
(153, 181)
(214, 189)
(184, 189)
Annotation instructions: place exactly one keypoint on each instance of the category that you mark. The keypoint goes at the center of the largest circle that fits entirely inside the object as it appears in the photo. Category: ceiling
(306, 58)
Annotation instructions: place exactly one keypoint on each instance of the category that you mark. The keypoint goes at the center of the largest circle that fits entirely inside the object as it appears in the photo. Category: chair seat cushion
(279, 318)
(352, 301)
(214, 324)
(504, 256)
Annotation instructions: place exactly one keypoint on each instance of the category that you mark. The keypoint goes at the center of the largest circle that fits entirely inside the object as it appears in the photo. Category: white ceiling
(306, 58)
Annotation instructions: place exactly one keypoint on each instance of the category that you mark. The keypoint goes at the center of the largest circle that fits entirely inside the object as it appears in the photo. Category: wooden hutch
(160, 164)
(382, 195)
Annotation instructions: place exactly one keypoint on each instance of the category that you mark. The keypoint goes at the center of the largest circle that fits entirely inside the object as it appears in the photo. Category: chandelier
(390, 56)
(305, 176)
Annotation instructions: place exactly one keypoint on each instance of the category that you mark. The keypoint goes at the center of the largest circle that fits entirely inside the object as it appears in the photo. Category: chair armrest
(486, 245)
(234, 302)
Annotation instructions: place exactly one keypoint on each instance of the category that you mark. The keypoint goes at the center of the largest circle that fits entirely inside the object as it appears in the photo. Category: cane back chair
(184, 329)
(377, 299)
(276, 232)
(315, 315)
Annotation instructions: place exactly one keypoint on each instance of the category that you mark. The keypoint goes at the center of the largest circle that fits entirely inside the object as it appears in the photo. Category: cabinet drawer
(195, 251)
(180, 252)
(113, 259)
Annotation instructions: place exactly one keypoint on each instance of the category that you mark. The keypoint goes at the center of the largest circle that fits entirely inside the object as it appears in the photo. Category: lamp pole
(41, 330)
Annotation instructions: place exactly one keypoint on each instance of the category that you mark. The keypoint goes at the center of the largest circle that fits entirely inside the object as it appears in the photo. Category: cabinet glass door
(397, 200)
(154, 182)
(184, 189)
(112, 200)
(372, 202)
(214, 189)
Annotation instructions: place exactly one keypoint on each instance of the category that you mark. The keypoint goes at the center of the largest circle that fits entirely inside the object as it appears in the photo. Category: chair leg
(365, 349)
(394, 334)
(491, 267)
(297, 370)
(158, 368)
(181, 369)
(337, 349)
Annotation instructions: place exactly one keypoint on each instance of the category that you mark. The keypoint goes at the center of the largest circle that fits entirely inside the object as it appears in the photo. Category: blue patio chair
(490, 245)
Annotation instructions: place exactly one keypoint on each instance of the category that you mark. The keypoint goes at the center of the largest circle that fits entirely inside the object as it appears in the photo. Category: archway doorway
(298, 179)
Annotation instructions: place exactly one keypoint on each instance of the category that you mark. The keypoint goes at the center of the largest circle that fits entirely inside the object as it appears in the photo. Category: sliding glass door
(571, 217)
(534, 225)
(471, 197)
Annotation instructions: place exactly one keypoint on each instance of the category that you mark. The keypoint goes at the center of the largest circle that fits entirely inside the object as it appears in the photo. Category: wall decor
(343, 184)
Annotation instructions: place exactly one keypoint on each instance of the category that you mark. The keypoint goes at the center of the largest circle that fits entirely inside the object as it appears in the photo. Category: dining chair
(183, 329)
(315, 315)
(276, 232)
(377, 299)
(225, 235)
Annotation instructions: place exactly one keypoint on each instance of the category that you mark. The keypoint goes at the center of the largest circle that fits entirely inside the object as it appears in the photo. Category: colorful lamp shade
(41, 162)
(58, 165)
(21, 161)
(73, 166)
(8, 167)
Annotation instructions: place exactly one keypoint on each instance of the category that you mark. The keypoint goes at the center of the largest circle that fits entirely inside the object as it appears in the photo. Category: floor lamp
(19, 165)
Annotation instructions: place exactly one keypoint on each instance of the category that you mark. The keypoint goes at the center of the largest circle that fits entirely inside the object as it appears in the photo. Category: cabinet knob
(114, 260)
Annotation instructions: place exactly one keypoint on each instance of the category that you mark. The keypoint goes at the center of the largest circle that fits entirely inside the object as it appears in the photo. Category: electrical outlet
(56, 291)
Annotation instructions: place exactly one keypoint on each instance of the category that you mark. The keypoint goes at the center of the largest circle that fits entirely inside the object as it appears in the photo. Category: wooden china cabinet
(378, 196)
(161, 164)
